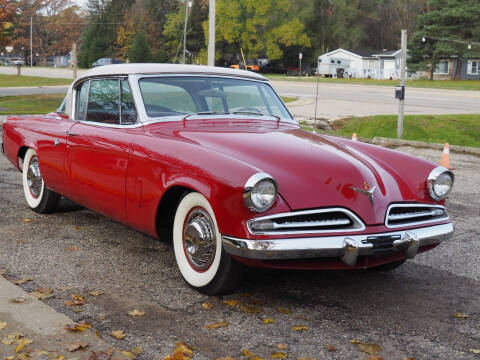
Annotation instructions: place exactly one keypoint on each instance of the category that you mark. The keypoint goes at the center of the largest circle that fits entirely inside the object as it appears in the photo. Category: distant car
(307, 70)
(106, 61)
(252, 65)
(18, 61)
(273, 67)
(212, 159)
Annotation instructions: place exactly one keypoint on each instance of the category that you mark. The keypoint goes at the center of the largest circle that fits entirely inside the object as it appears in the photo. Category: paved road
(408, 312)
(343, 100)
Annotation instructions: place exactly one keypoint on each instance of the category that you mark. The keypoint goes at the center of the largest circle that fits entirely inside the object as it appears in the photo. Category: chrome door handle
(71, 133)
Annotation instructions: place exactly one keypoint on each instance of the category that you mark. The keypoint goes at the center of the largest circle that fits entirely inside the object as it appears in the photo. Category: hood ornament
(367, 191)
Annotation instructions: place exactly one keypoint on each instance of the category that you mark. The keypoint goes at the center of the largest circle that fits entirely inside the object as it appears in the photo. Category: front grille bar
(414, 214)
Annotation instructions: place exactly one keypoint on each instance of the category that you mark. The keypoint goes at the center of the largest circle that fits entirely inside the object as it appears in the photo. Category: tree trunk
(432, 70)
(458, 71)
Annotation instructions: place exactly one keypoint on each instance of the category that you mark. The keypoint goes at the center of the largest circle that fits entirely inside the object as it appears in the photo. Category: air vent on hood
(303, 222)
(412, 214)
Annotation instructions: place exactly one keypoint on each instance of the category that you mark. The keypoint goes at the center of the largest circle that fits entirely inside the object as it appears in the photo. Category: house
(360, 64)
(446, 69)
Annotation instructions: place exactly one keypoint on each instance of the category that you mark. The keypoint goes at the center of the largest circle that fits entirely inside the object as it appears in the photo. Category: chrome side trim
(358, 225)
(394, 226)
(334, 246)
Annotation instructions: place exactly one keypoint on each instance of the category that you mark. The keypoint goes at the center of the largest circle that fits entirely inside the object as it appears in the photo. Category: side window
(82, 97)
(104, 101)
(129, 113)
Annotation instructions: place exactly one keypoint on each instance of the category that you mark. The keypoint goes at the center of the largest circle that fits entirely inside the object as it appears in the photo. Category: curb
(420, 144)
(42, 324)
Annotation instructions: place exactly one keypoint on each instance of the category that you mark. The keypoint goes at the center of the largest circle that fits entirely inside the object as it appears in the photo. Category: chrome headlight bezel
(432, 179)
(251, 184)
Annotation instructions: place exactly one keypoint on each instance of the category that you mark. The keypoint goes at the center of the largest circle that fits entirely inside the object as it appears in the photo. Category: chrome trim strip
(358, 225)
(333, 246)
(307, 224)
(414, 215)
(394, 226)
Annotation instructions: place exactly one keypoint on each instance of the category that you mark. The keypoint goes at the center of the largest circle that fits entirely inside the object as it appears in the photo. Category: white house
(360, 64)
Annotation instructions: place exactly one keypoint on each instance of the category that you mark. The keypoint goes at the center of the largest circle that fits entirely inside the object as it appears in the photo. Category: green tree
(140, 51)
(444, 31)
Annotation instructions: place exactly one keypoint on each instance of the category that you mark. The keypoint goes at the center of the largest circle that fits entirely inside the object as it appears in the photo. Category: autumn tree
(140, 51)
(7, 12)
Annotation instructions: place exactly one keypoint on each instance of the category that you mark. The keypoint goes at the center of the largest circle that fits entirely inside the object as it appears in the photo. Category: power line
(464, 42)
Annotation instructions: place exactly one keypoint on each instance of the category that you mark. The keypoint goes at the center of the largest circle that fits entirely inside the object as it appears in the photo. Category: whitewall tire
(39, 198)
(198, 248)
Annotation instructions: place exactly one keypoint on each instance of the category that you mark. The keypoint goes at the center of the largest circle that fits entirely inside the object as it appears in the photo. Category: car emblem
(367, 191)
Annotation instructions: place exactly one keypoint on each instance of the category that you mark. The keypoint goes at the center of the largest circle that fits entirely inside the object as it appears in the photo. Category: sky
(82, 3)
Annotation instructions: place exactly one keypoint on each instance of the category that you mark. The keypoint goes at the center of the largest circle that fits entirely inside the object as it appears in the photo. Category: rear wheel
(40, 198)
(197, 243)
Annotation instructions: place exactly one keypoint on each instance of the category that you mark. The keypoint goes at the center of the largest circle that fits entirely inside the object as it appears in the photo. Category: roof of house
(143, 69)
(366, 53)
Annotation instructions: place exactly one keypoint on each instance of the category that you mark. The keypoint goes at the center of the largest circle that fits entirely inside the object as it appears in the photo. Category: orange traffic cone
(354, 137)
(445, 160)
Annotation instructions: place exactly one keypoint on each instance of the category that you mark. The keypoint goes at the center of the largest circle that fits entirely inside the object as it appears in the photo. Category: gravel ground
(409, 312)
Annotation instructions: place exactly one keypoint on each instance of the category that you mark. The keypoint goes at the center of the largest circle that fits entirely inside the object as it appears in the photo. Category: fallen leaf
(306, 358)
(97, 334)
(102, 318)
(42, 293)
(181, 352)
(22, 345)
(12, 338)
(217, 325)
(97, 292)
(77, 301)
(249, 355)
(27, 220)
(279, 355)
(60, 357)
(371, 349)
(136, 312)
(299, 328)
(331, 348)
(73, 249)
(282, 346)
(256, 301)
(284, 310)
(268, 321)
(231, 303)
(18, 300)
(374, 357)
(74, 328)
(128, 354)
(138, 350)
(3, 325)
(3, 272)
(119, 334)
(10, 358)
(77, 309)
(85, 324)
(207, 305)
(77, 346)
(22, 281)
(475, 351)
(251, 309)
(246, 294)
(225, 358)
(461, 316)
(78, 227)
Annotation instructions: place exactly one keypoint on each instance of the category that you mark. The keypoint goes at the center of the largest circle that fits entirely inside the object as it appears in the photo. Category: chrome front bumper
(347, 248)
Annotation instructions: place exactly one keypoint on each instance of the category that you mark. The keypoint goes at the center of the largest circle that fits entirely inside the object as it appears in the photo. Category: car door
(99, 144)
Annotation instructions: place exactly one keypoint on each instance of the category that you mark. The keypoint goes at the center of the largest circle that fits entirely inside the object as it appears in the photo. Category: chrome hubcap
(199, 239)
(34, 177)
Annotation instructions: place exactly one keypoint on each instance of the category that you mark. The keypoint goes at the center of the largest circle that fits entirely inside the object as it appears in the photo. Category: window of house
(474, 67)
(442, 67)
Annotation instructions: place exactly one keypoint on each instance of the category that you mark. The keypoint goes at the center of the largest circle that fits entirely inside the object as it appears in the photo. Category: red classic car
(213, 159)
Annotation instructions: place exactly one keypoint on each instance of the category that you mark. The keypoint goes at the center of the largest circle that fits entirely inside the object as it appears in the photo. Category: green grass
(436, 84)
(30, 104)
(20, 81)
(463, 130)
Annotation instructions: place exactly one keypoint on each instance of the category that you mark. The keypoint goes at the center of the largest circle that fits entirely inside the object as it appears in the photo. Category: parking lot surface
(408, 313)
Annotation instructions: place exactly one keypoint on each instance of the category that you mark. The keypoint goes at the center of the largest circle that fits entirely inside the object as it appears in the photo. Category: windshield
(173, 96)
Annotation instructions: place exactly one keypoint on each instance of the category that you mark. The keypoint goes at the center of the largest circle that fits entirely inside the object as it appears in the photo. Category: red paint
(124, 172)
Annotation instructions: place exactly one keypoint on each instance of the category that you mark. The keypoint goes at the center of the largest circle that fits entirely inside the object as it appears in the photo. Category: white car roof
(139, 69)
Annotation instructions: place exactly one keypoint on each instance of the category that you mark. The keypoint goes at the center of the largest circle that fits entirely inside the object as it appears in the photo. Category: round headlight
(440, 182)
(260, 192)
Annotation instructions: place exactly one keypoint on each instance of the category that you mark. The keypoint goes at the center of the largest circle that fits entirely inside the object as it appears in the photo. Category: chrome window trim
(406, 205)
(138, 94)
(356, 220)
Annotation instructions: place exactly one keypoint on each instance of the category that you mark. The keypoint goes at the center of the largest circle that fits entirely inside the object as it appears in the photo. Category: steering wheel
(249, 109)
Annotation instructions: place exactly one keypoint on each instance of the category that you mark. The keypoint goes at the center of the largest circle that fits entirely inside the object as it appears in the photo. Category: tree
(445, 31)
(140, 51)
(7, 12)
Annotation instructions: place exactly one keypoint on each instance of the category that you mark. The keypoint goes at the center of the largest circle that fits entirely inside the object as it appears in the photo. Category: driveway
(408, 313)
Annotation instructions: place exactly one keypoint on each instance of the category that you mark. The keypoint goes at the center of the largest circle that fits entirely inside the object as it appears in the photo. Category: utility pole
(31, 41)
(188, 4)
(74, 60)
(401, 92)
(211, 33)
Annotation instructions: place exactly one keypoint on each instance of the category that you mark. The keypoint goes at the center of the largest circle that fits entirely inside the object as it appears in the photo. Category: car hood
(312, 170)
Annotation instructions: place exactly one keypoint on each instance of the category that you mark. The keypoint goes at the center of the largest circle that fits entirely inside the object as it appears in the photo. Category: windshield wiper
(254, 113)
(205, 113)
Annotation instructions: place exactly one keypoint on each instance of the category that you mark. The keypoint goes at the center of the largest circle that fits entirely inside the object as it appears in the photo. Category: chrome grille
(303, 222)
(412, 214)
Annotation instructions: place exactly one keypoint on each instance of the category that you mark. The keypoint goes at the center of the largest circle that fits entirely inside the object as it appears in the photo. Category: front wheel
(197, 243)
(40, 198)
